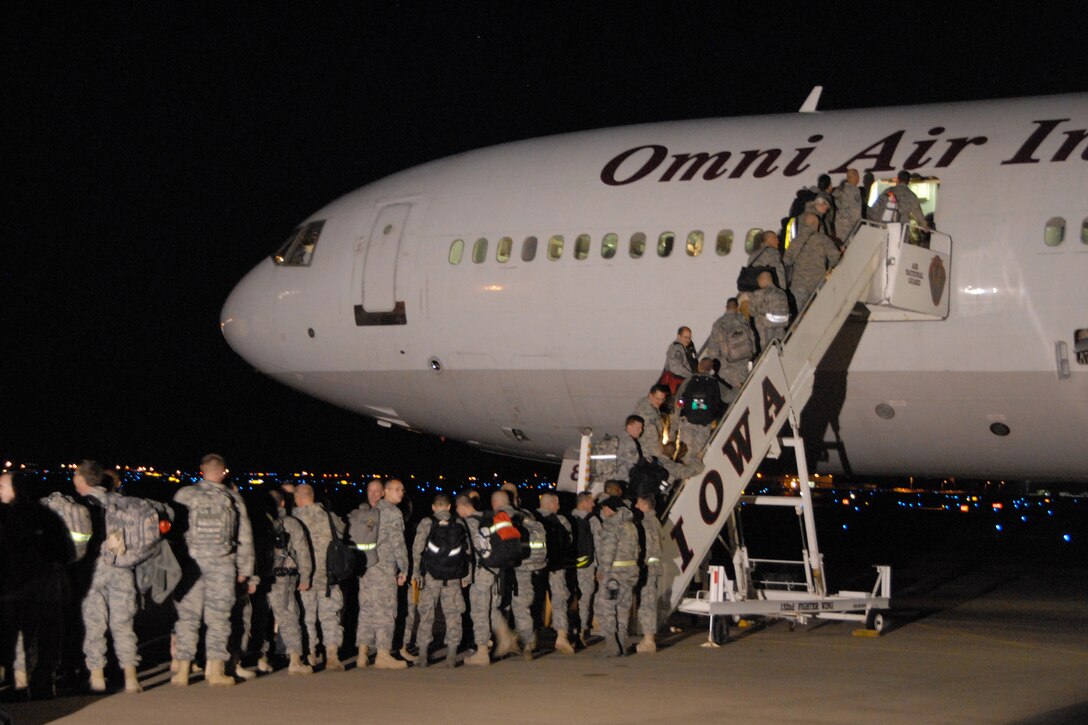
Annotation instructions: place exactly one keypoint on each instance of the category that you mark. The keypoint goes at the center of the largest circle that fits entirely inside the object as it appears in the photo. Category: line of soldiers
(248, 578)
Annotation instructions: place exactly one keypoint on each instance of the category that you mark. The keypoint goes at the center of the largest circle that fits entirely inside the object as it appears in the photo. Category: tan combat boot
(451, 657)
(505, 641)
(242, 672)
(215, 674)
(132, 682)
(173, 666)
(527, 649)
(263, 665)
(332, 661)
(385, 661)
(20, 679)
(361, 660)
(563, 645)
(647, 645)
(297, 668)
(181, 674)
(98, 680)
(481, 658)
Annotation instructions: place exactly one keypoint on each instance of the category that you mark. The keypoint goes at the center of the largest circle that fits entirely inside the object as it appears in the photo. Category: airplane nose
(248, 321)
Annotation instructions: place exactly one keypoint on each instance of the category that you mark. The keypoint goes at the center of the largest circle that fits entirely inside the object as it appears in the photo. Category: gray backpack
(213, 521)
(132, 531)
(76, 517)
(535, 543)
(363, 530)
(739, 345)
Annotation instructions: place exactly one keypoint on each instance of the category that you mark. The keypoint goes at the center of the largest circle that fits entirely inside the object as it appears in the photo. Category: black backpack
(646, 478)
(701, 403)
(498, 545)
(584, 551)
(445, 556)
(559, 542)
(339, 558)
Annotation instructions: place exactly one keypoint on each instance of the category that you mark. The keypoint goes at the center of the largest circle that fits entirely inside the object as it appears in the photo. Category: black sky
(157, 151)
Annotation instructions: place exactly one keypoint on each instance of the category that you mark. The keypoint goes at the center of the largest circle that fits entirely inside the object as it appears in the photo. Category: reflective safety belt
(616, 564)
(582, 562)
(777, 319)
(432, 547)
(537, 544)
(652, 560)
(497, 527)
(80, 538)
(366, 547)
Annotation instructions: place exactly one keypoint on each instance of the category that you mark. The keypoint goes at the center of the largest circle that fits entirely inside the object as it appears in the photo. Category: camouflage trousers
(452, 599)
(560, 594)
(613, 614)
(283, 601)
(648, 601)
(768, 333)
(377, 608)
(318, 608)
(694, 437)
(483, 599)
(110, 604)
(210, 599)
(521, 603)
(587, 587)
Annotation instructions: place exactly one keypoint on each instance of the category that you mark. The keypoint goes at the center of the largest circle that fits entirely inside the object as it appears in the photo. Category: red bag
(669, 379)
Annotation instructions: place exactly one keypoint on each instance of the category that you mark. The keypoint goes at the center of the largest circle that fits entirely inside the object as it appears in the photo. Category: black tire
(719, 630)
(874, 620)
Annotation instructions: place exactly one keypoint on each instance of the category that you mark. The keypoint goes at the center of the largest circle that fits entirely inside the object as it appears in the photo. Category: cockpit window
(298, 250)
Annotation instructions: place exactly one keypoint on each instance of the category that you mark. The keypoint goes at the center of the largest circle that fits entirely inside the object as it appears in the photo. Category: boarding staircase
(894, 280)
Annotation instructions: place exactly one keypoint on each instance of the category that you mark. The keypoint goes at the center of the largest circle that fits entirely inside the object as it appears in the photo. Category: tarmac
(1004, 642)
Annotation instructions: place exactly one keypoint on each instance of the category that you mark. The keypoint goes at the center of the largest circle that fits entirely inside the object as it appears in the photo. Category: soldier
(847, 205)
(907, 207)
(651, 574)
(679, 360)
(293, 568)
(732, 343)
(617, 574)
(440, 555)
(324, 601)
(378, 587)
(810, 255)
(110, 602)
(649, 408)
(627, 451)
(769, 255)
(220, 544)
(482, 594)
(770, 311)
(548, 514)
(587, 538)
(522, 596)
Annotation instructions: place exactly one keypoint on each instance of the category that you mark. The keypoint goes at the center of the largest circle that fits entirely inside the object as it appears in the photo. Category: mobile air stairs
(895, 280)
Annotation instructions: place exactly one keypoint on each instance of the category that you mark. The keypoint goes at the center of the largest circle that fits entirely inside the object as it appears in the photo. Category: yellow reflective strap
(80, 538)
(366, 547)
(624, 563)
(536, 544)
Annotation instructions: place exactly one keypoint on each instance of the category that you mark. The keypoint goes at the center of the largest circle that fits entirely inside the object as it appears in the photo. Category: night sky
(157, 151)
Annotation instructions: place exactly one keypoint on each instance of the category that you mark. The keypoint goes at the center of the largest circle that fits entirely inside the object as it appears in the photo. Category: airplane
(512, 296)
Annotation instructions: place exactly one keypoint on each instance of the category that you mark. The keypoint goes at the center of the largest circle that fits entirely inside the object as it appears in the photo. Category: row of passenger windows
(610, 245)
(1055, 231)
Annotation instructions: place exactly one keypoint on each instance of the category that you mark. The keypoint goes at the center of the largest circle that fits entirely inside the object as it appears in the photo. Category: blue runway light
(999, 527)
(1067, 537)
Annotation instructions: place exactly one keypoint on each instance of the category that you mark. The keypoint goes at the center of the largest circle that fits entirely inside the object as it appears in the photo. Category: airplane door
(379, 305)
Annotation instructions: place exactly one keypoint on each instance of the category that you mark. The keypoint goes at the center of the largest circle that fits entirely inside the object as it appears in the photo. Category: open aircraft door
(379, 303)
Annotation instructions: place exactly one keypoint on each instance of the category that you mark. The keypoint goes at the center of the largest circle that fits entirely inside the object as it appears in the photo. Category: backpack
(498, 542)
(558, 542)
(363, 527)
(886, 208)
(339, 557)
(584, 550)
(748, 278)
(701, 404)
(132, 531)
(76, 517)
(646, 478)
(445, 556)
(739, 344)
(779, 312)
(534, 543)
(213, 521)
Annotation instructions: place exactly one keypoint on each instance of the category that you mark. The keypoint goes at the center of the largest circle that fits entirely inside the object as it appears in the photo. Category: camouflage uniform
(847, 208)
(283, 596)
(651, 589)
(811, 254)
(769, 257)
(378, 587)
(762, 302)
(212, 596)
(521, 600)
(483, 596)
(323, 602)
(110, 603)
(557, 584)
(617, 561)
(717, 347)
(650, 440)
(587, 575)
(626, 457)
(680, 360)
(433, 591)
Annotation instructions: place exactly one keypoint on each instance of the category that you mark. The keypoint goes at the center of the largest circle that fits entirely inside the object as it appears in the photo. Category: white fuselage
(548, 347)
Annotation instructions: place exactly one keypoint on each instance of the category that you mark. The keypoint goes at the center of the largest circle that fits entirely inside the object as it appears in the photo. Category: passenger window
(502, 252)
(298, 250)
(1055, 231)
(664, 244)
(528, 249)
(555, 247)
(1084, 231)
(638, 245)
(695, 243)
(457, 250)
(751, 240)
(1080, 346)
(611, 241)
(725, 242)
(581, 246)
(479, 251)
